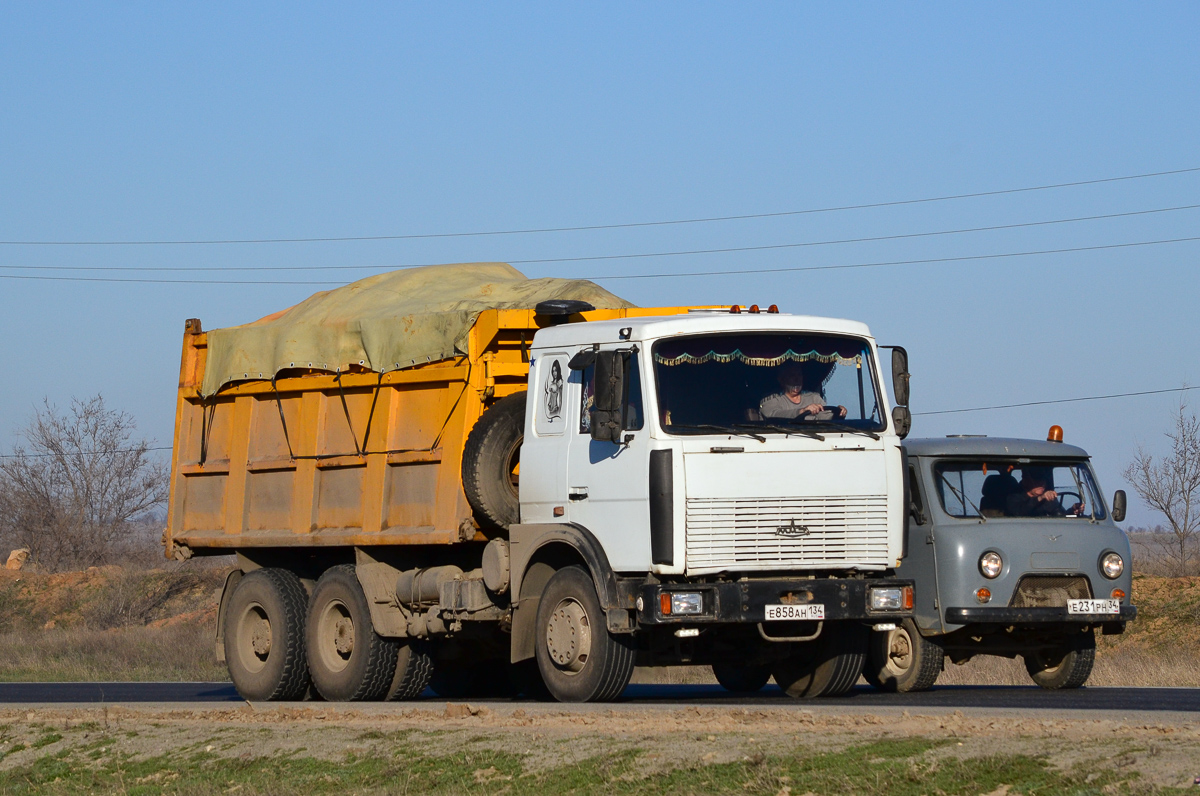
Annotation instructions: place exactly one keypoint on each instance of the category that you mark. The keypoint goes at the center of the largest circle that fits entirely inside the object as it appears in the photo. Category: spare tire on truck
(490, 462)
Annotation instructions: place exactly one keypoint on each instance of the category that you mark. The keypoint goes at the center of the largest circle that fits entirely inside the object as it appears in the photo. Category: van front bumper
(746, 601)
(1032, 616)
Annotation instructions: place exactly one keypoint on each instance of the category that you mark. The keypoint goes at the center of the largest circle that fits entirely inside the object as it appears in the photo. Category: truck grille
(1043, 591)
(786, 533)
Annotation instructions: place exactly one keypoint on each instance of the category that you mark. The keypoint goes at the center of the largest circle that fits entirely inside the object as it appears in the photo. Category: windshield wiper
(963, 498)
(836, 425)
(726, 429)
(786, 430)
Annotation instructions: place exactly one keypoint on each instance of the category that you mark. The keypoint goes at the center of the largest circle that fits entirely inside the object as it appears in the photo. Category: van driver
(794, 402)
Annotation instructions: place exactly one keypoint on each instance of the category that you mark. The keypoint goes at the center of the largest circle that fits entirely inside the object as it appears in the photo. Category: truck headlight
(891, 598)
(1112, 566)
(990, 564)
(682, 604)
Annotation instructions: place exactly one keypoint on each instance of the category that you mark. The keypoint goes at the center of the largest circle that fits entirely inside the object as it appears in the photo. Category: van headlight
(990, 564)
(1112, 566)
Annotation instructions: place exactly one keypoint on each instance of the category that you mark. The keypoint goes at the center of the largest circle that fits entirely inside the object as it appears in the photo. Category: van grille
(1043, 591)
(726, 534)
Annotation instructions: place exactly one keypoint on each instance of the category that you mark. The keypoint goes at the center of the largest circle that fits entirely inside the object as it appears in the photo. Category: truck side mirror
(608, 400)
(1118, 507)
(900, 375)
(902, 420)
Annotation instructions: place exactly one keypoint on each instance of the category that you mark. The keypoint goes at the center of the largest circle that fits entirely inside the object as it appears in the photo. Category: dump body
(314, 459)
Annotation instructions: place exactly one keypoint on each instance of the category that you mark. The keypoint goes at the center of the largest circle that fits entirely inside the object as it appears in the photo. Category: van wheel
(579, 659)
(264, 636)
(828, 666)
(903, 660)
(741, 679)
(414, 668)
(491, 461)
(1067, 667)
(348, 660)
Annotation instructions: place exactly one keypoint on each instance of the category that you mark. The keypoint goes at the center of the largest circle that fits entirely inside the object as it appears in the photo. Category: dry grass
(109, 624)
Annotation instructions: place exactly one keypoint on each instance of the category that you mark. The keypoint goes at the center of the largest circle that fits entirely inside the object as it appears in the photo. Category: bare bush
(1170, 485)
(81, 488)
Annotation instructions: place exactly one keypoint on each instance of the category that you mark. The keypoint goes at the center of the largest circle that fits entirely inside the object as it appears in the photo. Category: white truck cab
(735, 482)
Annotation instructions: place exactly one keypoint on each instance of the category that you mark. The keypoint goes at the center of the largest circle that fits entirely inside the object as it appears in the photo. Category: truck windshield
(766, 383)
(999, 488)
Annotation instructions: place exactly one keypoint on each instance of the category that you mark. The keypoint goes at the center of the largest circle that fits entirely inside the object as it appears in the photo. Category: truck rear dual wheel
(1067, 667)
(264, 636)
(828, 666)
(347, 659)
(579, 659)
(902, 659)
(490, 462)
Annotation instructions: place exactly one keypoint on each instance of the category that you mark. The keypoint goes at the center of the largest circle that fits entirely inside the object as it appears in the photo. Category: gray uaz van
(1013, 553)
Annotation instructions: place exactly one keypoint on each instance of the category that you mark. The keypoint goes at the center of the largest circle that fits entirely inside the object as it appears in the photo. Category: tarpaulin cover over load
(385, 322)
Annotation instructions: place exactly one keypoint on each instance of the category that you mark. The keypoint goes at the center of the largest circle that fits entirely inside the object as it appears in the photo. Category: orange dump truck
(360, 454)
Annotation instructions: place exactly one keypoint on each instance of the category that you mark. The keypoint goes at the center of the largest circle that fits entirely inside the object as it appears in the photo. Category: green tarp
(384, 322)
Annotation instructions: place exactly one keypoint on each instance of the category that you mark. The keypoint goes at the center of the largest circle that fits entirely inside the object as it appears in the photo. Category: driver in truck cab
(794, 402)
(1034, 498)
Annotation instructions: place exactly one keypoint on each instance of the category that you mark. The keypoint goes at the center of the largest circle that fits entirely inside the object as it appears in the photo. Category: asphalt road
(1139, 700)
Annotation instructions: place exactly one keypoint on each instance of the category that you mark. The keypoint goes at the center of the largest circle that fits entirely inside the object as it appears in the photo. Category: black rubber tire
(414, 668)
(1068, 667)
(366, 669)
(828, 666)
(604, 662)
(492, 449)
(902, 659)
(741, 679)
(271, 601)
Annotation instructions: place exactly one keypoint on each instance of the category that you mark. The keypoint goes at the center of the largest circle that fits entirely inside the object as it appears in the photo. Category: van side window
(634, 416)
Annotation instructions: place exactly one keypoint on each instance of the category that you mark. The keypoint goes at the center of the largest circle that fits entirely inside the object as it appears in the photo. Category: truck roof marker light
(773, 309)
(664, 603)
(1055, 434)
(735, 309)
(754, 309)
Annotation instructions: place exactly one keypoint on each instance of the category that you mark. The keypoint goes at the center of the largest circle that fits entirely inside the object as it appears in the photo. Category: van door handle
(577, 493)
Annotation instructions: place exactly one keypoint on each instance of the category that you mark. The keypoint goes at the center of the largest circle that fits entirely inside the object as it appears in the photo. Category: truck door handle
(577, 493)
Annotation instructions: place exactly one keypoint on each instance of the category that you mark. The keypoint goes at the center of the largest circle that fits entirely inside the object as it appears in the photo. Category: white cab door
(608, 485)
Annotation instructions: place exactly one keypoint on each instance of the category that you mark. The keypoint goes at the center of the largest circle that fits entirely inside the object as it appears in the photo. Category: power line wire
(592, 227)
(665, 275)
(1058, 401)
(541, 261)
(81, 453)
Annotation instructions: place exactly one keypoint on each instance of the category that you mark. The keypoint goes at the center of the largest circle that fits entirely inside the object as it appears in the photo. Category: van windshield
(766, 383)
(999, 488)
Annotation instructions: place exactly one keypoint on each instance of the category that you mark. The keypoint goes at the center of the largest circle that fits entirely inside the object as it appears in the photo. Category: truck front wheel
(580, 661)
(829, 666)
(1066, 667)
(903, 660)
(348, 660)
(264, 636)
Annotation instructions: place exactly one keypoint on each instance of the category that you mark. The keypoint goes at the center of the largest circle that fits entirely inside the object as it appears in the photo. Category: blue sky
(157, 122)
